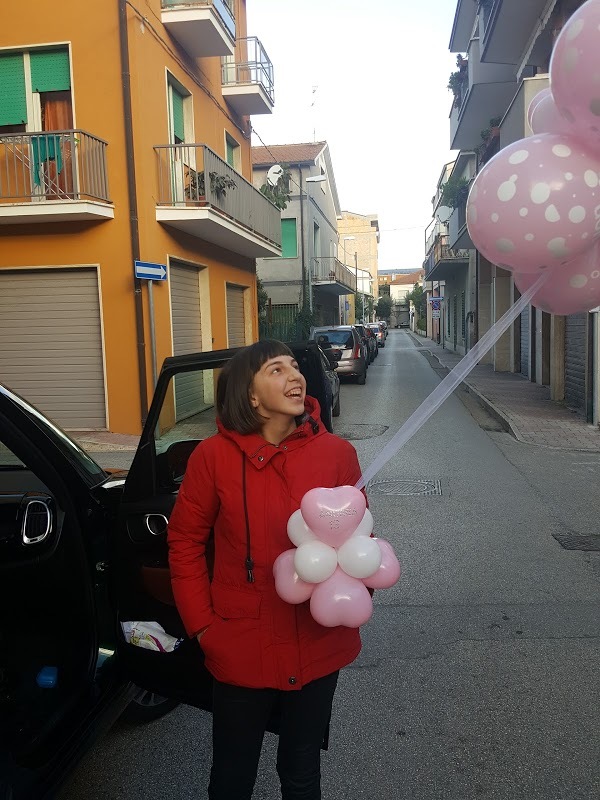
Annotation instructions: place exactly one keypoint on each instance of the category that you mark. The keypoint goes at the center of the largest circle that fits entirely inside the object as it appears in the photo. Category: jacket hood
(253, 444)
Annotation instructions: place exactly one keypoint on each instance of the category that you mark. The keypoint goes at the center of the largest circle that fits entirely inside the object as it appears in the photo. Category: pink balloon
(574, 73)
(571, 289)
(546, 118)
(288, 585)
(533, 206)
(333, 514)
(534, 102)
(389, 572)
(341, 600)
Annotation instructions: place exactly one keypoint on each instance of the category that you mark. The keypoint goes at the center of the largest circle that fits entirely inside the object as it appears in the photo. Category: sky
(381, 102)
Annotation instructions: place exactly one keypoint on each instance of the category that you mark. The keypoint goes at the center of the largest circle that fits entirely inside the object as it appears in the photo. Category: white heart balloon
(315, 561)
(298, 531)
(365, 526)
(360, 556)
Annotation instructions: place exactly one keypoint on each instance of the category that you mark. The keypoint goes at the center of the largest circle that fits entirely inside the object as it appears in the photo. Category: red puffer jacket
(254, 638)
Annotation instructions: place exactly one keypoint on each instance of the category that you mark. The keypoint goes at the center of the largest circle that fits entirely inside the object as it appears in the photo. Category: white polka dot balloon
(536, 204)
(571, 289)
(575, 74)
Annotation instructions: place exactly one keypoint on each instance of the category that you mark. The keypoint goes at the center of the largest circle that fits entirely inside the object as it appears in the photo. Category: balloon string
(442, 391)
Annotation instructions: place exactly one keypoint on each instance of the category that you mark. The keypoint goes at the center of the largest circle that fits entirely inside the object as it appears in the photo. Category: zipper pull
(250, 567)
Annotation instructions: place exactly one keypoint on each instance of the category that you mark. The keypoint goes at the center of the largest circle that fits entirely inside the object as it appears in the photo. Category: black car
(82, 551)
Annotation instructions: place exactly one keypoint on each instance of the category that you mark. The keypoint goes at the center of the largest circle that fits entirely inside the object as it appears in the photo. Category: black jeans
(240, 717)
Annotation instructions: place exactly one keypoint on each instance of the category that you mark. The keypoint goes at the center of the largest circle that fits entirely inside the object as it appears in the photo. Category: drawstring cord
(249, 563)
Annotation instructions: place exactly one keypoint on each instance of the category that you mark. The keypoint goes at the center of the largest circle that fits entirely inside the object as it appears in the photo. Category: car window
(8, 460)
(188, 411)
(340, 338)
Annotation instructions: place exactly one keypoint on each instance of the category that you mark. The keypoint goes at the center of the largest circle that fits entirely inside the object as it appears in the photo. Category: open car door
(181, 415)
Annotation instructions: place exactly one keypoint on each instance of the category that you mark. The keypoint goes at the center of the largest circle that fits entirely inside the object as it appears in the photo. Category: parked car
(378, 332)
(330, 366)
(385, 327)
(344, 344)
(369, 342)
(82, 551)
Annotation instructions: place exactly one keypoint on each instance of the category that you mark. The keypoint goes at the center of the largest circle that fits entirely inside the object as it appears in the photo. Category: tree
(262, 298)
(419, 300)
(279, 194)
(384, 307)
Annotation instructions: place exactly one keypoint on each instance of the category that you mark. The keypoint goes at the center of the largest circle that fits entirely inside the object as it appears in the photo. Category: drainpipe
(302, 253)
(133, 209)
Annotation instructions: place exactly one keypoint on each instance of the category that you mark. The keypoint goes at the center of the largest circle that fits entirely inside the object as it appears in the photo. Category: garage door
(51, 343)
(236, 328)
(575, 361)
(187, 337)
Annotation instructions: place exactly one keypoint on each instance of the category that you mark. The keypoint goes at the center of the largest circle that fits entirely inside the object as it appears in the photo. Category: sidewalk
(522, 407)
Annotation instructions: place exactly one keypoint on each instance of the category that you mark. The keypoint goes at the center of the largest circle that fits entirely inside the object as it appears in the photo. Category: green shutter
(289, 240)
(230, 153)
(13, 106)
(177, 103)
(50, 70)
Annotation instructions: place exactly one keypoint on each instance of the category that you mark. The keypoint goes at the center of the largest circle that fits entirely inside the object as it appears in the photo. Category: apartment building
(503, 52)
(124, 137)
(359, 242)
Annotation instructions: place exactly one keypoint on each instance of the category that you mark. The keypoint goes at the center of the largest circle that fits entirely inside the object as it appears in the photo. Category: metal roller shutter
(51, 343)
(187, 338)
(525, 342)
(575, 360)
(236, 328)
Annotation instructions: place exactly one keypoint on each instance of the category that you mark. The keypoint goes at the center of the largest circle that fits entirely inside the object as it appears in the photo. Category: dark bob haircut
(233, 387)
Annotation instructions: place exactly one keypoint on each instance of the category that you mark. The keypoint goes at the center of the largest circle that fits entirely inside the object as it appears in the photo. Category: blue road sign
(148, 271)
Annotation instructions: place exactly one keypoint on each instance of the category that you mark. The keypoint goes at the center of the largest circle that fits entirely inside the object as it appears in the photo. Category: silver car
(342, 343)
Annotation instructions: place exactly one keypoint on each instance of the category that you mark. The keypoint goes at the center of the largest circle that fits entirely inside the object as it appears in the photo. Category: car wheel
(362, 378)
(335, 411)
(146, 707)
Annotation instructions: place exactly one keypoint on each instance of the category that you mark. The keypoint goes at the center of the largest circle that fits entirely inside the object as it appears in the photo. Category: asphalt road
(479, 672)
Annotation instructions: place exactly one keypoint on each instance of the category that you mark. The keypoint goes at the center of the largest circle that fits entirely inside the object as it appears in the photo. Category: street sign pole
(152, 333)
(150, 272)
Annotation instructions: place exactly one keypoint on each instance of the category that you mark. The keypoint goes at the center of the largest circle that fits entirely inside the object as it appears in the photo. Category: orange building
(125, 136)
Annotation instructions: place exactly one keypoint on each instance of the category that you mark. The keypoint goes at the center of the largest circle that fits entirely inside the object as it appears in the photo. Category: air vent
(37, 522)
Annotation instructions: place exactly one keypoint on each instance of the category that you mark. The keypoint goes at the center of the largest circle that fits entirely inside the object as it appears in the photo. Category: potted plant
(195, 189)
(455, 191)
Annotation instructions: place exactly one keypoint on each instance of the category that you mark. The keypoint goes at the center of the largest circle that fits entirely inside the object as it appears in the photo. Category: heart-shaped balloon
(333, 514)
(341, 600)
(290, 587)
(389, 570)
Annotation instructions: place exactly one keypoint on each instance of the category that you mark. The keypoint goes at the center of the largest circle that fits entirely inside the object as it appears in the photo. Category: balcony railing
(250, 66)
(57, 165)
(192, 175)
(224, 9)
(442, 252)
(331, 270)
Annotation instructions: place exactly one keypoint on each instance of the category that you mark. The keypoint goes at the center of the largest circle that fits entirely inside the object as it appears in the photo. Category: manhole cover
(412, 486)
(571, 541)
(361, 431)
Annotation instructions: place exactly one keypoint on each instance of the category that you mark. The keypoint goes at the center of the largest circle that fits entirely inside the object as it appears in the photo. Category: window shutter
(289, 240)
(230, 153)
(177, 103)
(50, 70)
(13, 106)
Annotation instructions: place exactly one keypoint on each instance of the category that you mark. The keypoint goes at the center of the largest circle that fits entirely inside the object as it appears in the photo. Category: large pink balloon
(546, 118)
(534, 205)
(389, 571)
(341, 600)
(288, 585)
(535, 100)
(570, 289)
(333, 514)
(574, 73)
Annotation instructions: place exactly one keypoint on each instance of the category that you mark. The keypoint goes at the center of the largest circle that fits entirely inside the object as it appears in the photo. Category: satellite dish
(444, 213)
(274, 174)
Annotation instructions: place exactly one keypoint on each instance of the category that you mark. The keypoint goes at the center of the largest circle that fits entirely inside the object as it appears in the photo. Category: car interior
(46, 641)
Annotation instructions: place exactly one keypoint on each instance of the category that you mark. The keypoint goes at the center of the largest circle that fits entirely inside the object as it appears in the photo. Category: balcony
(488, 93)
(247, 79)
(200, 194)
(202, 27)
(443, 261)
(53, 177)
(507, 27)
(515, 125)
(333, 277)
(458, 234)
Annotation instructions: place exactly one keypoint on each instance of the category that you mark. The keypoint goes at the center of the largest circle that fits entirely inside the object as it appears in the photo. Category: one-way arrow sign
(148, 271)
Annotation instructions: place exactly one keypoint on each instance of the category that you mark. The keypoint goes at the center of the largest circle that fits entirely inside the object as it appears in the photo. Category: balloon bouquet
(336, 560)
(536, 205)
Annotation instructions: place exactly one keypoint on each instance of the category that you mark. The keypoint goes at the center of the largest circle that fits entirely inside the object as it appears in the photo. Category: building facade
(359, 240)
(124, 136)
(309, 273)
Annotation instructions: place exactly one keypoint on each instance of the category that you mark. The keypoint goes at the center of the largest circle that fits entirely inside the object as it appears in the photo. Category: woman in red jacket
(244, 483)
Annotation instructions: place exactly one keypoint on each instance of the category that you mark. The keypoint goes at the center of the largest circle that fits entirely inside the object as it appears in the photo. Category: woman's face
(278, 389)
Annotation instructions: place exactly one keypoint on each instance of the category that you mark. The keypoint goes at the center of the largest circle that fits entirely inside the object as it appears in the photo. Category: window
(176, 120)
(232, 152)
(289, 238)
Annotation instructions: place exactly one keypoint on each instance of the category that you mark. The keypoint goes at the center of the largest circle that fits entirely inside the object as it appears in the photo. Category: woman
(244, 483)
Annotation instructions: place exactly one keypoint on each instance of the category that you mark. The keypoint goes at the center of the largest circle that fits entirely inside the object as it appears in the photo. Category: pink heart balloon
(333, 514)
(341, 600)
(389, 572)
(289, 586)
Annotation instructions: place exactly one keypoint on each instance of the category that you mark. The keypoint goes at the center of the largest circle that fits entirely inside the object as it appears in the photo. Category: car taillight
(356, 351)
